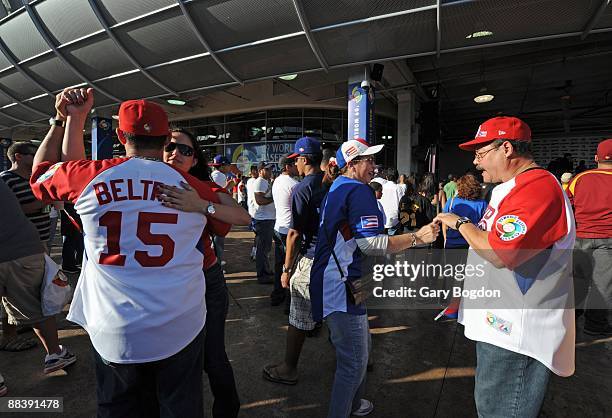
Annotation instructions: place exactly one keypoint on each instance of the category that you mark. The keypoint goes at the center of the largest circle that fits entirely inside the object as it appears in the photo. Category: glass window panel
(251, 131)
(284, 129)
(246, 117)
(313, 113)
(210, 135)
(179, 124)
(332, 129)
(312, 127)
(332, 113)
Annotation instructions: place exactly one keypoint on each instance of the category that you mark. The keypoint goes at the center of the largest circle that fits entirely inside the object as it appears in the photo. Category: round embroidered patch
(510, 227)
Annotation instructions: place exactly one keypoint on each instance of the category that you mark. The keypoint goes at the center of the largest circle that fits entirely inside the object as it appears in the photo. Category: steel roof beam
(299, 9)
(594, 19)
(123, 49)
(205, 44)
(19, 102)
(47, 38)
(14, 63)
(438, 29)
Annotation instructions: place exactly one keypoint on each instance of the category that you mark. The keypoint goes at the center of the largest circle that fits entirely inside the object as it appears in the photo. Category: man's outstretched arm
(80, 102)
(49, 149)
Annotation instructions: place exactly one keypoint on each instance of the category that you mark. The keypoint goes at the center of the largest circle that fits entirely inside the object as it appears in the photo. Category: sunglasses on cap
(186, 150)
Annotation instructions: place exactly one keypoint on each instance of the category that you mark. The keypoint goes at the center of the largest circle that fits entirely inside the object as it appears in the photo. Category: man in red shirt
(591, 195)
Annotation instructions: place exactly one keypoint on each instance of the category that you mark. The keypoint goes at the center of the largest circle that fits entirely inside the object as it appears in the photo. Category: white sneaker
(55, 362)
(365, 408)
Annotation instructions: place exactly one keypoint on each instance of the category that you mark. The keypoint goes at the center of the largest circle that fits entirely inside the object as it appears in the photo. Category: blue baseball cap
(220, 160)
(306, 145)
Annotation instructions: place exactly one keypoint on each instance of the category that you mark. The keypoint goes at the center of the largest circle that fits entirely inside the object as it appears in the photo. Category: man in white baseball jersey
(523, 246)
(141, 291)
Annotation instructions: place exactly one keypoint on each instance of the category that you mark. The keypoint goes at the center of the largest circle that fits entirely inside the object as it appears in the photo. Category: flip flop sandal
(273, 377)
(19, 344)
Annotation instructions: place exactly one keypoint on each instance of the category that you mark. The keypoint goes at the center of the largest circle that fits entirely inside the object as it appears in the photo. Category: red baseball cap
(604, 151)
(502, 127)
(141, 117)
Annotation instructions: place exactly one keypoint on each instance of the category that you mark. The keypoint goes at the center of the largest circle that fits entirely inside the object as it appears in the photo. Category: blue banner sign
(360, 112)
(101, 138)
(246, 155)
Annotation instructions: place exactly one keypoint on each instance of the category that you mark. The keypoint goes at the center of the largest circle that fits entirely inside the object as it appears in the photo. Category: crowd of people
(161, 211)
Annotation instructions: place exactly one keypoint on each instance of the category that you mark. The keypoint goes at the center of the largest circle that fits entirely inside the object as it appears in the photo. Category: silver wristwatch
(210, 209)
(461, 221)
(57, 122)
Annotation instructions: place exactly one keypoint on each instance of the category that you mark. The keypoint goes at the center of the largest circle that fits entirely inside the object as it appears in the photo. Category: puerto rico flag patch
(49, 173)
(369, 222)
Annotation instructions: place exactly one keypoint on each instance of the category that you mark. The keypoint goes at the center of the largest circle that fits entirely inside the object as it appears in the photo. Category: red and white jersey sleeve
(66, 180)
(529, 219)
(141, 291)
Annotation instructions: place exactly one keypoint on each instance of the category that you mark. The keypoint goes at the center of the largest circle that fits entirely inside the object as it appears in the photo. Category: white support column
(405, 133)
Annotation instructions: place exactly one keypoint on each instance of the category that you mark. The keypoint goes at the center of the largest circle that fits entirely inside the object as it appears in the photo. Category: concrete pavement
(421, 368)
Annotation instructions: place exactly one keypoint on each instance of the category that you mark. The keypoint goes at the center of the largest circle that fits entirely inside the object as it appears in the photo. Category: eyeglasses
(186, 150)
(366, 159)
(481, 155)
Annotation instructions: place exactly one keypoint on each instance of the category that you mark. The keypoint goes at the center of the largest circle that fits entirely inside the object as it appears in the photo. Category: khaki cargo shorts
(20, 283)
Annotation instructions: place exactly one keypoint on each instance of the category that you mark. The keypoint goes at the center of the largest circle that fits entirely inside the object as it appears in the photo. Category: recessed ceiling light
(176, 102)
(288, 77)
(479, 34)
(484, 98)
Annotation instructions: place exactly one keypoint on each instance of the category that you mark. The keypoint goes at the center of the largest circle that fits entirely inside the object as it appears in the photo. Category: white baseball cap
(354, 148)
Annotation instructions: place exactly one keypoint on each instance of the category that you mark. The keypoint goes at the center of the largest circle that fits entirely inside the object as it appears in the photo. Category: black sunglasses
(186, 150)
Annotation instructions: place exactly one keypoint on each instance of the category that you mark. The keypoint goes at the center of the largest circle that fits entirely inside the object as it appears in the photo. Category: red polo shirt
(591, 195)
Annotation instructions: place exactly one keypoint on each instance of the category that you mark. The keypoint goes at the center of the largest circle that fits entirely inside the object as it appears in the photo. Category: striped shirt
(22, 190)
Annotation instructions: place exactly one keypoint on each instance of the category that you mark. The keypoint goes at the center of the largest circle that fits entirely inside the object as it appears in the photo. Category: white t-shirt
(392, 194)
(241, 192)
(402, 188)
(534, 314)
(250, 196)
(382, 210)
(281, 192)
(263, 212)
(219, 178)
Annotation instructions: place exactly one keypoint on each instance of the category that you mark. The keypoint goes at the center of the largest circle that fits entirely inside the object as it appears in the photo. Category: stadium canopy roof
(165, 48)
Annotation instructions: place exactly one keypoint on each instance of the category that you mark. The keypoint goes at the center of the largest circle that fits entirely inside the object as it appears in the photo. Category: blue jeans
(280, 240)
(593, 277)
(166, 388)
(216, 364)
(219, 243)
(264, 230)
(350, 335)
(508, 384)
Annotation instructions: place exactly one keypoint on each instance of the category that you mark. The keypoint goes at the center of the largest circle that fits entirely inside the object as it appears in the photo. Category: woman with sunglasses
(351, 231)
(184, 153)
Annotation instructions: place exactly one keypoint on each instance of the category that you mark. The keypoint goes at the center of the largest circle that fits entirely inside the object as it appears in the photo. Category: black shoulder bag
(357, 290)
